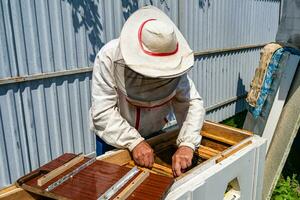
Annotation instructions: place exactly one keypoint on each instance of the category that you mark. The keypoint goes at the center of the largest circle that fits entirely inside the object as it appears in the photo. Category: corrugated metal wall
(41, 119)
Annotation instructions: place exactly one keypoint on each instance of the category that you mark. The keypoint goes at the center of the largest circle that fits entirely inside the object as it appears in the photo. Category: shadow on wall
(240, 91)
(130, 6)
(85, 13)
(202, 3)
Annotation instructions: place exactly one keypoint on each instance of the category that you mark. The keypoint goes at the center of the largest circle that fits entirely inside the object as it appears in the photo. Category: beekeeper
(137, 80)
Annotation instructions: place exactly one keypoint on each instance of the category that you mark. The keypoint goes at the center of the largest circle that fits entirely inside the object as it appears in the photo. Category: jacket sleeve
(189, 112)
(106, 120)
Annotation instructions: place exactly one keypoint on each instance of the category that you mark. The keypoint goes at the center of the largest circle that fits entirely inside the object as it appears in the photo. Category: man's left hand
(181, 160)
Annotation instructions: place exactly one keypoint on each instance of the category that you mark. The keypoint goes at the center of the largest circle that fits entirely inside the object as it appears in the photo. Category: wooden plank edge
(127, 191)
(120, 157)
(12, 192)
(206, 152)
(223, 126)
(218, 138)
(54, 173)
(42, 192)
(156, 169)
(226, 155)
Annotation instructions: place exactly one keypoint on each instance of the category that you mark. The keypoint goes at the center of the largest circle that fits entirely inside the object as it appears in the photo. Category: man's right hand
(143, 154)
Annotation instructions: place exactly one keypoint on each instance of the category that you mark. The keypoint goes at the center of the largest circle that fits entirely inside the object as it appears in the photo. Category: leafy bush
(287, 189)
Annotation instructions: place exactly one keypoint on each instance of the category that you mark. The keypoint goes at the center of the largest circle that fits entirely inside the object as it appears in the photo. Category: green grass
(236, 121)
(288, 187)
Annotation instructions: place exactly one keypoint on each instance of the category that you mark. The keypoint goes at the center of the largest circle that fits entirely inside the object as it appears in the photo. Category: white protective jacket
(123, 124)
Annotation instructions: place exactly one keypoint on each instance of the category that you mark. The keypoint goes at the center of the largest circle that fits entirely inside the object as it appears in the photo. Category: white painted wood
(281, 94)
(211, 183)
(259, 173)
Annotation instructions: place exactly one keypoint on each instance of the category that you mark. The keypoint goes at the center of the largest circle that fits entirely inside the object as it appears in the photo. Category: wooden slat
(219, 146)
(206, 152)
(156, 169)
(127, 191)
(232, 140)
(121, 157)
(151, 171)
(13, 193)
(223, 133)
(163, 168)
(223, 156)
(225, 128)
(44, 179)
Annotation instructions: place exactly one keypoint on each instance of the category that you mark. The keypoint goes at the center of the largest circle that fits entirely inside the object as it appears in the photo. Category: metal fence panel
(41, 119)
(225, 77)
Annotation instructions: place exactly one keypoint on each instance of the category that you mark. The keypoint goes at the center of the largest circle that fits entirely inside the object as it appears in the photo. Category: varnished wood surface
(94, 180)
(46, 178)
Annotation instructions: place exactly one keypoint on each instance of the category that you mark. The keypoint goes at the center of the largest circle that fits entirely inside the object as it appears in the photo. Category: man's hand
(181, 160)
(143, 154)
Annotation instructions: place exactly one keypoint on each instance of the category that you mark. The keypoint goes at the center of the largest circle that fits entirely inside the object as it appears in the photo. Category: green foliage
(237, 120)
(287, 189)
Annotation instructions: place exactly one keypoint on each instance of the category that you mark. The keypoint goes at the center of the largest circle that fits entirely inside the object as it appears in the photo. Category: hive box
(228, 165)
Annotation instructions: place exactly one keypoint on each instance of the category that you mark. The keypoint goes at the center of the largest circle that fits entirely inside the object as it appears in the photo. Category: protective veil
(141, 90)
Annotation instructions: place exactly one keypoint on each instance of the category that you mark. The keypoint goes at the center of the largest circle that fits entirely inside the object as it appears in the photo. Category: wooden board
(214, 144)
(94, 180)
(206, 152)
(228, 131)
(126, 192)
(156, 169)
(226, 155)
(44, 179)
(223, 133)
(12, 193)
(120, 157)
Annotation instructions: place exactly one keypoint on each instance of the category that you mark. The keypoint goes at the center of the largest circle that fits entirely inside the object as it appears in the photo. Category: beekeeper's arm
(189, 112)
(106, 120)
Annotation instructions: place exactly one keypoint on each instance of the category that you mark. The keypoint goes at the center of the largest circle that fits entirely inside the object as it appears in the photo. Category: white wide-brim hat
(152, 45)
